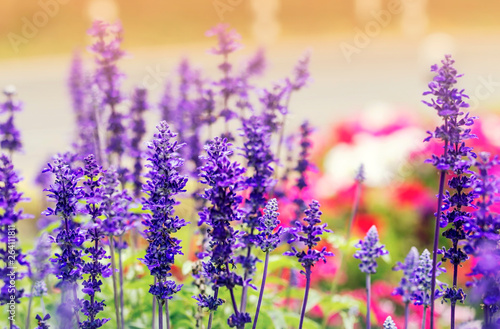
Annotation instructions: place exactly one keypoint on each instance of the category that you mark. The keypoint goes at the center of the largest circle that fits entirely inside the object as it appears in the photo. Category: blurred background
(368, 56)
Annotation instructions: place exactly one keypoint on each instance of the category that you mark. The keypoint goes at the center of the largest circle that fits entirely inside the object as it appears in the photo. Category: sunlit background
(369, 57)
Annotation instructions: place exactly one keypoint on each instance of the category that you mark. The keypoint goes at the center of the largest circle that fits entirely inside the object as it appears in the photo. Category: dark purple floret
(309, 235)
(10, 137)
(11, 256)
(370, 250)
(163, 185)
(138, 128)
(238, 320)
(42, 322)
(93, 196)
(209, 302)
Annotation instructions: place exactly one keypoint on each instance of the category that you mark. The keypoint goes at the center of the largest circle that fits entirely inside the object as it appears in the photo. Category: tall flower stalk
(95, 269)
(448, 101)
(268, 239)
(39, 269)
(12, 256)
(224, 180)
(309, 233)
(257, 151)
(69, 263)
(422, 279)
(483, 237)
(163, 184)
(10, 137)
(370, 250)
(108, 38)
(407, 285)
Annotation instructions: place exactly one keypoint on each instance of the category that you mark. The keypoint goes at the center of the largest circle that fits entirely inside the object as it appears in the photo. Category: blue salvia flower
(95, 269)
(138, 128)
(257, 151)
(370, 250)
(108, 77)
(406, 285)
(269, 238)
(10, 137)
(449, 103)
(422, 279)
(309, 233)
(42, 322)
(68, 264)
(224, 180)
(228, 42)
(483, 238)
(12, 256)
(163, 184)
(389, 324)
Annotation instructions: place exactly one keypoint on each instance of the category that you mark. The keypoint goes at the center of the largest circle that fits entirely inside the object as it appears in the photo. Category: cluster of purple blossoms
(11, 256)
(370, 250)
(483, 237)
(10, 137)
(92, 193)
(308, 234)
(108, 78)
(138, 128)
(69, 263)
(422, 280)
(163, 184)
(257, 151)
(228, 42)
(448, 101)
(224, 178)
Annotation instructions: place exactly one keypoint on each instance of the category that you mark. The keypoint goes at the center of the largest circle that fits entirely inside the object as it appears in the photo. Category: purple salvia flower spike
(483, 238)
(370, 250)
(138, 128)
(407, 286)
(163, 185)
(422, 280)
(268, 240)
(10, 137)
(309, 235)
(9, 217)
(68, 264)
(224, 181)
(108, 77)
(449, 103)
(93, 196)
